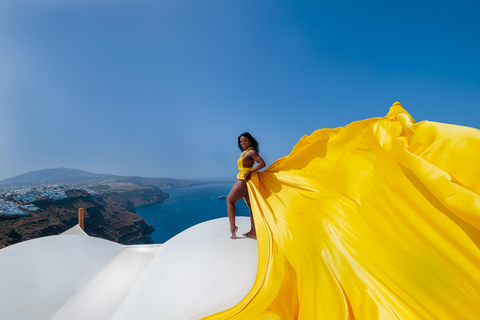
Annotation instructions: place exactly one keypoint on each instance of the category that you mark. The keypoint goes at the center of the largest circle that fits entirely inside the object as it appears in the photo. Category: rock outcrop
(108, 215)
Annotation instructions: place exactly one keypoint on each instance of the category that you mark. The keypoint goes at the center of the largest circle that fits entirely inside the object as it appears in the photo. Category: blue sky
(163, 88)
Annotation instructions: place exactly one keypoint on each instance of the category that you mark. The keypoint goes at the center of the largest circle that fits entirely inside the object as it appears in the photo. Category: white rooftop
(71, 276)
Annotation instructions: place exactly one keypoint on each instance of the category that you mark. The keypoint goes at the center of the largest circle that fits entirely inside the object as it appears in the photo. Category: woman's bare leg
(252, 233)
(239, 190)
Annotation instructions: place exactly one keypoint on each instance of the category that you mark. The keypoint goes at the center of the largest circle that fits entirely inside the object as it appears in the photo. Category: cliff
(108, 215)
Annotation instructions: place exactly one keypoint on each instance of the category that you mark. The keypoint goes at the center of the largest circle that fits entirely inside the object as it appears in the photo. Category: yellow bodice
(241, 169)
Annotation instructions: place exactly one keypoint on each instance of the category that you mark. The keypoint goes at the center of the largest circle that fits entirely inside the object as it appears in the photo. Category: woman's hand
(256, 158)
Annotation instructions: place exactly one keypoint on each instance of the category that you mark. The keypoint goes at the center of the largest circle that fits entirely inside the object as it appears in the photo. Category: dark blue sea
(187, 207)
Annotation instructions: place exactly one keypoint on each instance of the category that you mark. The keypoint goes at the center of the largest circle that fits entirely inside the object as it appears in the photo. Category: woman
(375, 220)
(247, 159)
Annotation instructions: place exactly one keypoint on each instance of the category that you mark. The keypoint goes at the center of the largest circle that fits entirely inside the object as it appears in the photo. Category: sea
(187, 207)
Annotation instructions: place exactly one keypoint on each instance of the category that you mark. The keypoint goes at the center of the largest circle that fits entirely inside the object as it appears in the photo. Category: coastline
(187, 207)
(109, 214)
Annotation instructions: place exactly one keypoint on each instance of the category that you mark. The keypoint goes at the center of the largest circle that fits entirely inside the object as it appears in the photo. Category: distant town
(18, 194)
(19, 202)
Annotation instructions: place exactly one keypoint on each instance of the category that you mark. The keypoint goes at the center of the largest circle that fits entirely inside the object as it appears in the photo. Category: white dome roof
(199, 272)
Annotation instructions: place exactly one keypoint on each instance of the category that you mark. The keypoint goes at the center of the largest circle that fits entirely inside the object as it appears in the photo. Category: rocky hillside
(108, 215)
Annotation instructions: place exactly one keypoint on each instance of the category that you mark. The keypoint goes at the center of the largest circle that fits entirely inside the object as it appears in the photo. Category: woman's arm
(261, 164)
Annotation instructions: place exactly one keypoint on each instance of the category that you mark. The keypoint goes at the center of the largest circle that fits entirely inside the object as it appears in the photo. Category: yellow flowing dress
(376, 220)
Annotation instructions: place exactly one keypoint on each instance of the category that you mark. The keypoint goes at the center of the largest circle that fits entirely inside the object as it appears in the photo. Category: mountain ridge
(77, 177)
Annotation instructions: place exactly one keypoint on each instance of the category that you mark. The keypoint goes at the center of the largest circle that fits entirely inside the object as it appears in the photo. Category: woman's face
(244, 142)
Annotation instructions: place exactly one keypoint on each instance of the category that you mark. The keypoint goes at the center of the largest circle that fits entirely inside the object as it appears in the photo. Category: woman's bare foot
(250, 234)
(234, 232)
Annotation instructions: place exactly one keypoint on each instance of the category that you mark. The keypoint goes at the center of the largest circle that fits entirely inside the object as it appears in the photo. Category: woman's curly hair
(253, 142)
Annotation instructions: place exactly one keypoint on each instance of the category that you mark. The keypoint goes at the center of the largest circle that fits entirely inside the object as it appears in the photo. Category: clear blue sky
(163, 88)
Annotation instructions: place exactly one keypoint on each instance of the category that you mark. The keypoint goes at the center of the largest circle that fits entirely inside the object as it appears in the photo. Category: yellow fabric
(241, 169)
(376, 220)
